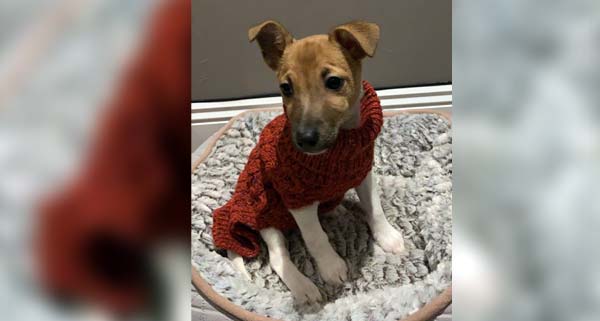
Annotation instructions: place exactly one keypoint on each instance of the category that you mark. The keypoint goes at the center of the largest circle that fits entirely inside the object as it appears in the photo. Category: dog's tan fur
(306, 64)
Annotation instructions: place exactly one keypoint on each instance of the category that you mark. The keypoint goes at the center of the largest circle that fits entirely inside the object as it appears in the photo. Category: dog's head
(319, 77)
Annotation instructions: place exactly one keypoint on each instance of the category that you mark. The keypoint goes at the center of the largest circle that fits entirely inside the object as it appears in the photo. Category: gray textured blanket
(413, 163)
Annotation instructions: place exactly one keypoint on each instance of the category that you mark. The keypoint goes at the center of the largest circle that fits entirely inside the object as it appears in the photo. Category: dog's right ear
(272, 39)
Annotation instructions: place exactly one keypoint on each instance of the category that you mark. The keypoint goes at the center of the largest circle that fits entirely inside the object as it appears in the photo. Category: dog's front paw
(389, 239)
(333, 269)
(305, 291)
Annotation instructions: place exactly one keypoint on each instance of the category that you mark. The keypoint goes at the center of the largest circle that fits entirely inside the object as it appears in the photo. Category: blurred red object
(94, 237)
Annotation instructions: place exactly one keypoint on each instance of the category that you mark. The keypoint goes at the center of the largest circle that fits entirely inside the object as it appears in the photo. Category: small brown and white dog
(307, 70)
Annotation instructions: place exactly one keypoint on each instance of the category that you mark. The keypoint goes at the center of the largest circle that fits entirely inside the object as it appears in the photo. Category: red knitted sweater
(277, 177)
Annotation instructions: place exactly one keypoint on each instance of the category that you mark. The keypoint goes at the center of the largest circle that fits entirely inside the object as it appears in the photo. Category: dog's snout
(307, 138)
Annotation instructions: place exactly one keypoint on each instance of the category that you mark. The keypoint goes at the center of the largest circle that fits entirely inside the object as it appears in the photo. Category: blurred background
(527, 160)
(61, 63)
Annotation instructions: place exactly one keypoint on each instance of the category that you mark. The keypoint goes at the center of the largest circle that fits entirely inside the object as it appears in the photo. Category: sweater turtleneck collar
(349, 143)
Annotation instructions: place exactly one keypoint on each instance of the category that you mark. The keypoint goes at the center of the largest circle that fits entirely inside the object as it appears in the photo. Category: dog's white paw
(389, 239)
(238, 263)
(333, 269)
(305, 291)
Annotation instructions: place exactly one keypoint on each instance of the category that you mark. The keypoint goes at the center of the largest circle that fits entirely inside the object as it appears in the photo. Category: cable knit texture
(278, 177)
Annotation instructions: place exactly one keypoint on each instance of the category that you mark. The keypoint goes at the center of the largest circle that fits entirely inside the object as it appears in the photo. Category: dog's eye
(286, 89)
(334, 83)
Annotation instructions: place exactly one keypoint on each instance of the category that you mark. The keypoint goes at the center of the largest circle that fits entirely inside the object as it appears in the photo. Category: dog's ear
(272, 39)
(359, 38)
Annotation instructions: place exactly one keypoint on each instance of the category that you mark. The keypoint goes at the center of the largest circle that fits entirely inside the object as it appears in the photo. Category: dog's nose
(307, 138)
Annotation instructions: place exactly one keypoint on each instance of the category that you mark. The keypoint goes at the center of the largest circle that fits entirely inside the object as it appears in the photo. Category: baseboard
(207, 117)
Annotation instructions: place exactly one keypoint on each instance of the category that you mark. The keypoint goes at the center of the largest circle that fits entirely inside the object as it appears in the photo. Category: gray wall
(415, 46)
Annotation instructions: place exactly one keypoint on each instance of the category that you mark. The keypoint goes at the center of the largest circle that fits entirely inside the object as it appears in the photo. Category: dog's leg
(331, 266)
(384, 233)
(303, 289)
(238, 262)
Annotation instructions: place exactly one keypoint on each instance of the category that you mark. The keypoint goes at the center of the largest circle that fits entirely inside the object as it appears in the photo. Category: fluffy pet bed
(413, 163)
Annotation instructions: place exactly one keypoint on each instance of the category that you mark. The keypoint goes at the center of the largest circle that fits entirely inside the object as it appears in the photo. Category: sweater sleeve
(235, 224)
(255, 203)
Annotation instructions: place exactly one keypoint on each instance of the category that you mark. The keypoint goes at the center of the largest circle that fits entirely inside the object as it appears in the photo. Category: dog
(320, 80)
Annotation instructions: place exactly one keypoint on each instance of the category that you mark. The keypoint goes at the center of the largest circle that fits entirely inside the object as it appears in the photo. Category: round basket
(428, 263)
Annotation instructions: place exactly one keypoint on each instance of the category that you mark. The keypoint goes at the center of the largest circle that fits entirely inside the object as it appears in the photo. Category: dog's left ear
(358, 37)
